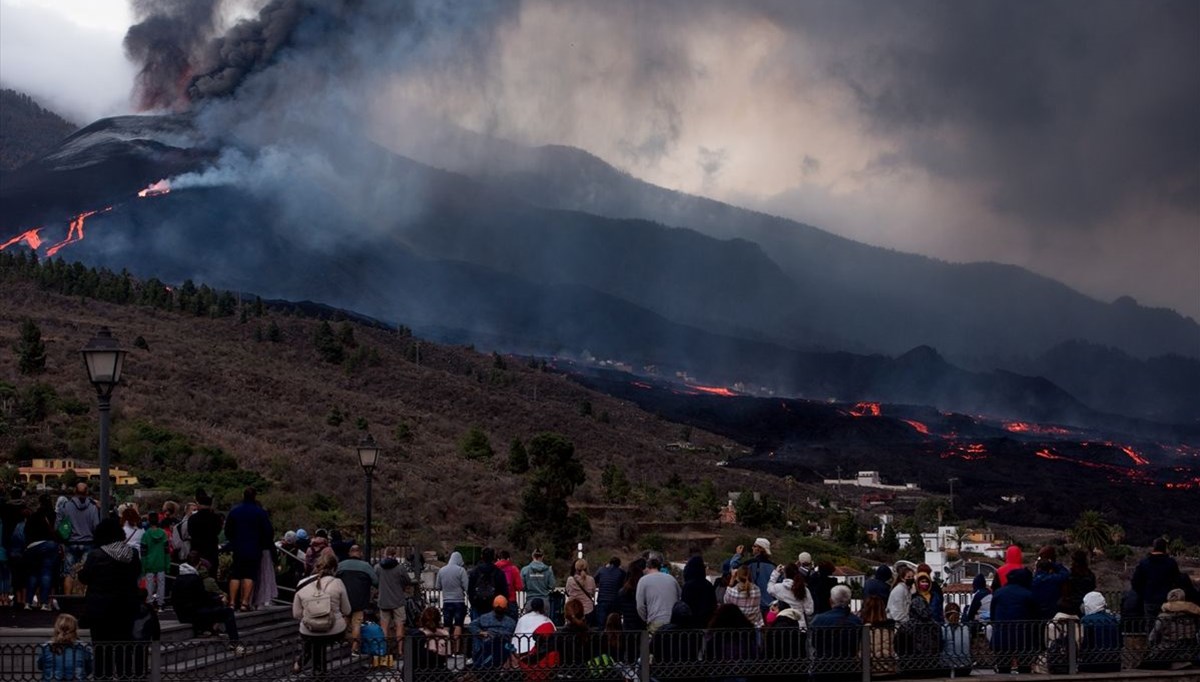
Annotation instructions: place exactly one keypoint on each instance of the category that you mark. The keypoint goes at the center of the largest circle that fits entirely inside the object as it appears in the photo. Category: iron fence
(773, 654)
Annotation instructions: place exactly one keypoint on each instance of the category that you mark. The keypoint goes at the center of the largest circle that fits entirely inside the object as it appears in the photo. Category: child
(956, 642)
(155, 562)
(64, 657)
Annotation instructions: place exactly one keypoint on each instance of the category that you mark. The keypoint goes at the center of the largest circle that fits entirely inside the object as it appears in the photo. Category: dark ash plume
(164, 42)
(245, 48)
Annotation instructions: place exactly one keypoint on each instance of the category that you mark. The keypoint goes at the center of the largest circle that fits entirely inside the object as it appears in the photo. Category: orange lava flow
(715, 390)
(640, 384)
(75, 233)
(30, 237)
(865, 410)
(1133, 454)
(1026, 427)
(921, 428)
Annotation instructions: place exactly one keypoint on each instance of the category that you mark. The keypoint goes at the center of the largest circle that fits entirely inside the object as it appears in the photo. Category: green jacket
(154, 551)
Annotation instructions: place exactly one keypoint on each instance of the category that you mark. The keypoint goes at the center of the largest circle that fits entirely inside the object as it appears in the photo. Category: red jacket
(513, 574)
(1013, 559)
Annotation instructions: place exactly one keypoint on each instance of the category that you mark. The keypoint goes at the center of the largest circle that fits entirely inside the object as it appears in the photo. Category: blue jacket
(248, 530)
(1048, 589)
(608, 582)
(74, 663)
(1013, 610)
(835, 634)
(761, 569)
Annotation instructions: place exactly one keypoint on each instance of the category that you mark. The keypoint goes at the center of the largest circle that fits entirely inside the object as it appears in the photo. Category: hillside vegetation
(221, 393)
(27, 130)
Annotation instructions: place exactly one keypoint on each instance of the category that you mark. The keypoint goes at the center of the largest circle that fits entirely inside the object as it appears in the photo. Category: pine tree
(518, 458)
(31, 352)
(474, 445)
(327, 344)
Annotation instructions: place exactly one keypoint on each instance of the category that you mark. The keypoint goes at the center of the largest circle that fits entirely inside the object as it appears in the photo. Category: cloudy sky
(1060, 136)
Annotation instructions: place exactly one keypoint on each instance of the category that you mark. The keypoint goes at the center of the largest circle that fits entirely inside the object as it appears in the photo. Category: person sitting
(64, 657)
(1100, 642)
(1173, 641)
(492, 635)
(956, 642)
(199, 601)
(432, 648)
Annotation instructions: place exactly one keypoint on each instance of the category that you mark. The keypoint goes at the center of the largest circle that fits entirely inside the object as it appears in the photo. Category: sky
(1062, 136)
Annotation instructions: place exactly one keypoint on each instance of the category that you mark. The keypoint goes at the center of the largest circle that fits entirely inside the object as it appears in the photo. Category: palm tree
(1117, 534)
(1090, 530)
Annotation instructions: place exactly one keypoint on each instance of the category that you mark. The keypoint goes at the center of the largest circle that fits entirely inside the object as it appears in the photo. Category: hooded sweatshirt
(697, 592)
(452, 581)
(981, 600)
(1013, 559)
(513, 575)
(538, 579)
(879, 585)
(84, 516)
(1154, 576)
(392, 578)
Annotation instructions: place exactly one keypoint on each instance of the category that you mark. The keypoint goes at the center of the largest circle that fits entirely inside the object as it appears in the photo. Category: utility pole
(952, 479)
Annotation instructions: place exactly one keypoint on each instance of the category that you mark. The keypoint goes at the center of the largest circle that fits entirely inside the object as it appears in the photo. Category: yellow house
(42, 470)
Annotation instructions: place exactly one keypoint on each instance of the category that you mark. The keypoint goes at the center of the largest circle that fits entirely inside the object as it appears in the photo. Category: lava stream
(920, 428)
(865, 410)
(30, 237)
(714, 390)
(75, 233)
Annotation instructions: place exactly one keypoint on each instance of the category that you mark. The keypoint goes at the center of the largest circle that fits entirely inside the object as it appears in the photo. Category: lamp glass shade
(368, 454)
(104, 359)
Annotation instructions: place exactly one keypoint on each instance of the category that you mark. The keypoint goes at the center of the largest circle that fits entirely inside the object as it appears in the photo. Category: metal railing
(770, 654)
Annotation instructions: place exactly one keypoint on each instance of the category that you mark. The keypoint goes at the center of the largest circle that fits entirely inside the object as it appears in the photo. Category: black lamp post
(368, 456)
(103, 358)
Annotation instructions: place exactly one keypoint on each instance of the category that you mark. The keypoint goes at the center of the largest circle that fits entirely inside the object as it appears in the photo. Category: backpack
(485, 589)
(64, 528)
(414, 606)
(317, 610)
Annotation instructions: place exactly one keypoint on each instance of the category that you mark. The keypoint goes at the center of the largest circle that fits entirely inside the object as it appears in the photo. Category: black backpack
(187, 596)
(484, 590)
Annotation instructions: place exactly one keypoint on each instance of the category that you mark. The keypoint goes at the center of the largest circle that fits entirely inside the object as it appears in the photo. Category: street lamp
(103, 358)
(368, 456)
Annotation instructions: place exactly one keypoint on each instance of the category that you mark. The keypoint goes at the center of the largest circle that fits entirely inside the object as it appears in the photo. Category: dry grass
(266, 404)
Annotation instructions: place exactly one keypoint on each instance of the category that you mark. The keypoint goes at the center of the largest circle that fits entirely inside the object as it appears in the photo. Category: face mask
(909, 581)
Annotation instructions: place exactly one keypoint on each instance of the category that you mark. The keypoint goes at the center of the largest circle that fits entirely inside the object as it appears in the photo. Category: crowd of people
(497, 613)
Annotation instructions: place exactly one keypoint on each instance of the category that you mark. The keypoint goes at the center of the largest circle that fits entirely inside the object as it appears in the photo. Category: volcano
(332, 217)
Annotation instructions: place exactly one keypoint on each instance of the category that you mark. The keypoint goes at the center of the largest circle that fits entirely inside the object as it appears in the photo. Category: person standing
(83, 514)
(248, 530)
(321, 606)
(453, 581)
(581, 587)
(760, 568)
(391, 576)
(41, 553)
(204, 529)
(1014, 611)
(656, 595)
(1154, 577)
(155, 562)
(744, 594)
(697, 592)
(512, 573)
(111, 574)
(538, 578)
(484, 583)
(900, 598)
(358, 577)
(609, 580)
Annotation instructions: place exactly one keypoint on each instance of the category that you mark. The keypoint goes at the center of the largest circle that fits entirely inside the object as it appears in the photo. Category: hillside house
(44, 471)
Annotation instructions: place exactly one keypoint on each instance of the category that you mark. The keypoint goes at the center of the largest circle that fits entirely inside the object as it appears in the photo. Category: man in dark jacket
(835, 635)
(358, 577)
(485, 582)
(248, 530)
(880, 584)
(1154, 577)
(609, 580)
(980, 607)
(760, 565)
(698, 593)
(1015, 628)
(204, 528)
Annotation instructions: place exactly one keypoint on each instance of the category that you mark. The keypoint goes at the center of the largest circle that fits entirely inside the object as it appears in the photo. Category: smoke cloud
(1047, 135)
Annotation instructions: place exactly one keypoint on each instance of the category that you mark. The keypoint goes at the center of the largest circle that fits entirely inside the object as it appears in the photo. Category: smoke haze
(1048, 135)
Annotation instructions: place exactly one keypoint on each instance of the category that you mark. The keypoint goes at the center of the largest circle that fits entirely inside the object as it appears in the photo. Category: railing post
(410, 657)
(866, 653)
(644, 648)
(156, 662)
(1072, 647)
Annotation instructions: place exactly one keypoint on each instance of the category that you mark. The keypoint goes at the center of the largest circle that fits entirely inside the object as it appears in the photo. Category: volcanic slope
(271, 405)
(872, 298)
(27, 130)
(463, 259)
